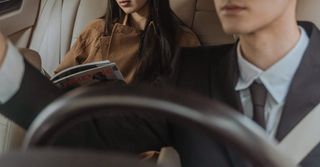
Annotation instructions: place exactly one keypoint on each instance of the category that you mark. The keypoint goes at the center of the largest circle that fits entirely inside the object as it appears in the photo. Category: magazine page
(107, 72)
(78, 68)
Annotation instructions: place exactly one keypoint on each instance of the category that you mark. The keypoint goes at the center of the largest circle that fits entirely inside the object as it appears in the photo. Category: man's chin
(234, 30)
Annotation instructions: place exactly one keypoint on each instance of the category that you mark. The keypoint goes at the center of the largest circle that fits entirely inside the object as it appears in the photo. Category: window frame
(7, 6)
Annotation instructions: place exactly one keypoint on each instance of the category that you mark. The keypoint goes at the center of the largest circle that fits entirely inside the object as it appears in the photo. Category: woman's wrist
(2, 48)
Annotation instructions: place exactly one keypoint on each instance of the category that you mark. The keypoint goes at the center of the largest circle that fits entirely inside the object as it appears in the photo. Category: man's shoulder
(193, 66)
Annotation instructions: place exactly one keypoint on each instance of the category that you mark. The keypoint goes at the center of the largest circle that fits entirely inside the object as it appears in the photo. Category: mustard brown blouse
(121, 47)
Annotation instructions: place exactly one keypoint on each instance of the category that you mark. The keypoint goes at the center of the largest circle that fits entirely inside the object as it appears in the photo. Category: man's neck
(267, 46)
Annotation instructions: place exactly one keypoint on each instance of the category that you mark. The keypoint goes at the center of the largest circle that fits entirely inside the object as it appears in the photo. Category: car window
(7, 6)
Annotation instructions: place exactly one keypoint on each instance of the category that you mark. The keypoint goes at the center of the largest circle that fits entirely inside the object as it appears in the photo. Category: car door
(17, 18)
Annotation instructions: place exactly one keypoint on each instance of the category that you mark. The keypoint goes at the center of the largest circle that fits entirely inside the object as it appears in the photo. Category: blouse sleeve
(82, 47)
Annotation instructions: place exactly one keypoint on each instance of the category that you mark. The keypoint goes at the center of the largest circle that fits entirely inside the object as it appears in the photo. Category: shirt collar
(125, 20)
(278, 77)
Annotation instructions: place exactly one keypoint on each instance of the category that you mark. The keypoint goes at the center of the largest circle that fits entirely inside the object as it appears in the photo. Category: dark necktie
(258, 97)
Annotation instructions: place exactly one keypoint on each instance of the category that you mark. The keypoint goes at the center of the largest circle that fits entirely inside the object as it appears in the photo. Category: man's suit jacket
(210, 71)
(213, 72)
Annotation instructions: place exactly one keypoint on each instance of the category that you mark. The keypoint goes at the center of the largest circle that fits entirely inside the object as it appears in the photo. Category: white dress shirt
(276, 79)
(11, 73)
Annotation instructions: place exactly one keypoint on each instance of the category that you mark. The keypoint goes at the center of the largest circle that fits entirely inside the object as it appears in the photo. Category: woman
(140, 36)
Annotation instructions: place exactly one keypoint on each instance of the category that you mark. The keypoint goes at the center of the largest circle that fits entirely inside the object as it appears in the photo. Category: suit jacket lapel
(304, 92)
(224, 77)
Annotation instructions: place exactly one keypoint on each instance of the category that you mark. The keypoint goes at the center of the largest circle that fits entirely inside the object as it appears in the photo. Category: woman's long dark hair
(158, 42)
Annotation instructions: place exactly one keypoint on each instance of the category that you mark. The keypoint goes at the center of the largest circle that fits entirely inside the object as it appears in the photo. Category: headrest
(307, 10)
(200, 15)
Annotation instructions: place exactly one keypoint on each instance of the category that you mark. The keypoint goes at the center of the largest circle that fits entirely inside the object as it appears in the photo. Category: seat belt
(303, 138)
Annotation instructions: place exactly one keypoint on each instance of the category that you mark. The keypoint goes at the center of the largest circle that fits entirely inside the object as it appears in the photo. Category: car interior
(69, 113)
(44, 31)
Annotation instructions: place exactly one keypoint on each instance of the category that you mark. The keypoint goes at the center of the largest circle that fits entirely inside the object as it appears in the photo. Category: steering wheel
(210, 116)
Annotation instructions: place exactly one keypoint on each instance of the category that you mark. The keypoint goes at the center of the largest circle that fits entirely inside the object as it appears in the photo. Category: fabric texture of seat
(59, 24)
(32, 56)
(201, 16)
(307, 10)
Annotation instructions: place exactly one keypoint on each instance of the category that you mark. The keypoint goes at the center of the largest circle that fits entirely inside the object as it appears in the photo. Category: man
(270, 53)
(274, 56)
(273, 53)
(14, 70)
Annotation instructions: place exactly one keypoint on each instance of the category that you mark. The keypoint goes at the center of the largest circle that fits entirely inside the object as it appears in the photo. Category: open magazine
(86, 74)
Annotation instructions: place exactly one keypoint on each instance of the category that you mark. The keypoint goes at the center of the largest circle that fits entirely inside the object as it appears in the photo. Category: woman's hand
(2, 48)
